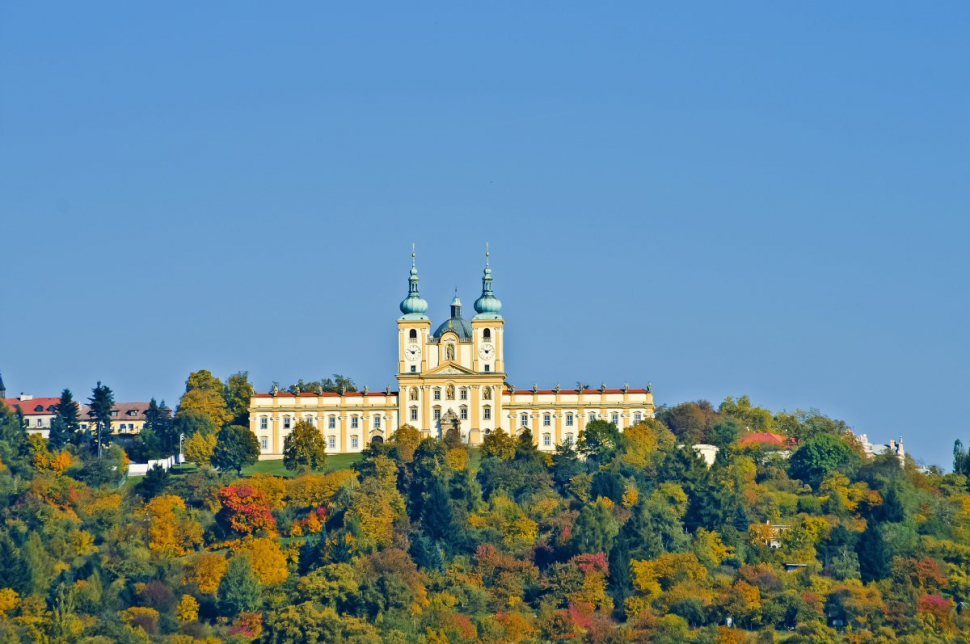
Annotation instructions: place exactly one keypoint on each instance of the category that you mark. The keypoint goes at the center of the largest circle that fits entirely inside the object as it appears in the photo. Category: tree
(239, 588)
(158, 420)
(236, 447)
(238, 392)
(191, 422)
(498, 444)
(204, 393)
(599, 441)
(64, 425)
(304, 448)
(688, 421)
(101, 402)
(407, 439)
(199, 448)
(595, 528)
(819, 455)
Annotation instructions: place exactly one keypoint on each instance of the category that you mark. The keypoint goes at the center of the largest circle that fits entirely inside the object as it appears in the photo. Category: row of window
(547, 419)
(331, 422)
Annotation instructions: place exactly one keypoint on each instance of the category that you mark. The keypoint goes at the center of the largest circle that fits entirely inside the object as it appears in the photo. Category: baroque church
(449, 378)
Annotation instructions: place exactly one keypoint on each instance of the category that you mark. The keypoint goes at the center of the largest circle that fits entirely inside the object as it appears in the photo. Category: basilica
(450, 378)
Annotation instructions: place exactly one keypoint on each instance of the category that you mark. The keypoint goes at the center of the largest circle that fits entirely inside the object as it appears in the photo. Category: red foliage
(935, 605)
(246, 509)
(581, 614)
(595, 563)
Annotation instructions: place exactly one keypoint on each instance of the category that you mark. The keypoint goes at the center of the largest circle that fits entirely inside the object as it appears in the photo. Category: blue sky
(760, 198)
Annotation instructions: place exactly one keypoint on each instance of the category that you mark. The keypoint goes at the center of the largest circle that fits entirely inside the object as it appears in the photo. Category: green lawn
(275, 467)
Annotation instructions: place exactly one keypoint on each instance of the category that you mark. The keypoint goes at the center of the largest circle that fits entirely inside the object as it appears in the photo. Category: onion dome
(413, 306)
(487, 306)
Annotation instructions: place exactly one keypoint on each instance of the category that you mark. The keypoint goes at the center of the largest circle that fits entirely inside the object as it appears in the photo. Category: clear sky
(767, 199)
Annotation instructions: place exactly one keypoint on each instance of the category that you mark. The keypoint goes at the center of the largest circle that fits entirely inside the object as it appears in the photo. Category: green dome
(413, 306)
(487, 305)
(455, 323)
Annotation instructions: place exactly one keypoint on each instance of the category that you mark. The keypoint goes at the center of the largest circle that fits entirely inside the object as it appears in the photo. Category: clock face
(486, 352)
(412, 353)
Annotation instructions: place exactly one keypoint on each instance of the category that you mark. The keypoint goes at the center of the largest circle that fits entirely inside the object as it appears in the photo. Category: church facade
(451, 377)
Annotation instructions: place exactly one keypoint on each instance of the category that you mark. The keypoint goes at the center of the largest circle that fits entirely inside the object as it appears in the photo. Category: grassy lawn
(275, 467)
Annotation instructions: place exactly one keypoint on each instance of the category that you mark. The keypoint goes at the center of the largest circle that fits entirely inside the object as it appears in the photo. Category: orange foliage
(207, 570)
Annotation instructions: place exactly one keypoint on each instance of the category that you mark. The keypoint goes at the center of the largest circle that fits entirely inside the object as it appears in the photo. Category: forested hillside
(621, 538)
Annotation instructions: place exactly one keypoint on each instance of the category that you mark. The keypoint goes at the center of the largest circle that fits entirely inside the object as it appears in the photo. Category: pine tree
(239, 588)
(64, 425)
(102, 401)
(873, 562)
(158, 420)
(438, 516)
(13, 570)
(621, 582)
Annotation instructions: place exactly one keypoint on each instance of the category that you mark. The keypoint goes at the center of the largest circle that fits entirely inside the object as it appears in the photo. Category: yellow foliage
(508, 517)
(315, 490)
(170, 531)
(606, 502)
(207, 570)
(654, 575)
(130, 614)
(188, 609)
(82, 542)
(8, 599)
(378, 505)
(673, 495)
(631, 496)
(204, 394)
(709, 548)
(273, 487)
(199, 447)
(457, 459)
(268, 559)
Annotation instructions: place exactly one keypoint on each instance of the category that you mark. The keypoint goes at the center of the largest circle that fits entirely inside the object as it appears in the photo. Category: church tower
(488, 327)
(413, 327)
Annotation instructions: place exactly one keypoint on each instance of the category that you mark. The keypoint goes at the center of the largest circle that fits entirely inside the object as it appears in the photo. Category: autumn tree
(199, 448)
(304, 449)
(237, 392)
(236, 447)
(204, 393)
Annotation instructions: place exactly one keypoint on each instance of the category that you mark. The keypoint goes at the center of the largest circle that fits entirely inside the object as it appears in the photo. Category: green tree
(304, 448)
(239, 587)
(190, 423)
(820, 455)
(238, 392)
(599, 442)
(158, 420)
(498, 444)
(595, 529)
(236, 447)
(64, 425)
(102, 401)
(688, 421)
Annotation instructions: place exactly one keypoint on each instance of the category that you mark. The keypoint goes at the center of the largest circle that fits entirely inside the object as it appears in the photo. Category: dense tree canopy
(627, 537)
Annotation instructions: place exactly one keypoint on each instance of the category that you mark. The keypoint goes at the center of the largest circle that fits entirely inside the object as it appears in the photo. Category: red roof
(29, 407)
(576, 391)
(765, 438)
(326, 394)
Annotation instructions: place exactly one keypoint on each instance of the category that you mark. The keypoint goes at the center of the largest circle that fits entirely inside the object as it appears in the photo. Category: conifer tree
(101, 402)
(64, 425)
(158, 420)
(239, 588)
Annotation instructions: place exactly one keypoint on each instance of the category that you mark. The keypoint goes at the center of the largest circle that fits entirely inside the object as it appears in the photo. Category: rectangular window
(353, 442)
(332, 442)
(569, 420)
(264, 443)
(263, 423)
(437, 414)
(414, 369)
(546, 420)
(546, 440)
(487, 368)
(525, 420)
(377, 422)
(616, 419)
(437, 394)
(464, 394)
(464, 414)
(286, 422)
(487, 415)
(592, 416)
(636, 418)
(353, 422)
(332, 423)
(569, 439)
(414, 414)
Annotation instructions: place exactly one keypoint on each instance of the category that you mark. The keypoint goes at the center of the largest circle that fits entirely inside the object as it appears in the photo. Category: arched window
(413, 334)
(487, 335)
